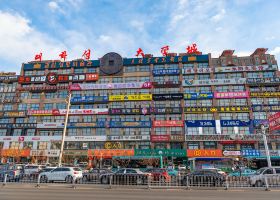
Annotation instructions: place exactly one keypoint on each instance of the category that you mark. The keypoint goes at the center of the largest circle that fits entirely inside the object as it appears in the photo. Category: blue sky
(51, 26)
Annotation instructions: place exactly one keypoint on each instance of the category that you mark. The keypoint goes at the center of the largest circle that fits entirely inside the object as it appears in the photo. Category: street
(62, 193)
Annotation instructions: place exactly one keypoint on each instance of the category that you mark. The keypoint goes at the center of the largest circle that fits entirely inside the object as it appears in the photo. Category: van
(258, 179)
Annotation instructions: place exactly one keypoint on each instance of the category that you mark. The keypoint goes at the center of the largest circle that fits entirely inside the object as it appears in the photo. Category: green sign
(161, 152)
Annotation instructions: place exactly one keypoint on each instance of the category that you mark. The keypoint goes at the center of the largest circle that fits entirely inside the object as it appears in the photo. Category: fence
(148, 181)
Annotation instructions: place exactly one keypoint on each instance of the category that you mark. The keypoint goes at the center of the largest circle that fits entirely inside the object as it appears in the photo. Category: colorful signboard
(231, 153)
(164, 97)
(50, 125)
(231, 95)
(43, 88)
(109, 153)
(90, 99)
(177, 138)
(47, 153)
(85, 138)
(131, 97)
(264, 94)
(198, 95)
(161, 152)
(251, 137)
(94, 111)
(97, 124)
(233, 123)
(256, 81)
(167, 84)
(128, 137)
(166, 59)
(250, 152)
(170, 123)
(214, 82)
(216, 109)
(109, 86)
(7, 73)
(8, 78)
(200, 123)
(268, 108)
(160, 138)
(274, 122)
(14, 114)
(204, 153)
(245, 68)
(16, 125)
(167, 110)
(136, 124)
(15, 153)
(205, 70)
(129, 111)
(160, 72)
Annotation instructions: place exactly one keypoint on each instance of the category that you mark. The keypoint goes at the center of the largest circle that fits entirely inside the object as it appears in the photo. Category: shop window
(247, 146)
(160, 145)
(55, 145)
(42, 145)
(27, 145)
(14, 145)
(193, 145)
(229, 147)
(210, 145)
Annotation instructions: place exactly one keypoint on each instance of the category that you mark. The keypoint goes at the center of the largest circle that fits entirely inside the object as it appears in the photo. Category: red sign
(51, 78)
(38, 57)
(140, 52)
(274, 122)
(171, 123)
(21, 139)
(63, 55)
(86, 54)
(204, 153)
(92, 77)
(160, 138)
(164, 50)
(192, 49)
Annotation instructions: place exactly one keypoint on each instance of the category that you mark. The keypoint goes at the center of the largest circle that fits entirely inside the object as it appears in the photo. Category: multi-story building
(135, 105)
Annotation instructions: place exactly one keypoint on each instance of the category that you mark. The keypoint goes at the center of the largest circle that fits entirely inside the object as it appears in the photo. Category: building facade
(178, 102)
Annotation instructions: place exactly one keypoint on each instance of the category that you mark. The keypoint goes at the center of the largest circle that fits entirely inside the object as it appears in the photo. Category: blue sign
(250, 152)
(138, 124)
(199, 95)
(200, 123)
(233, 123)
(90, 99)
(159, 72)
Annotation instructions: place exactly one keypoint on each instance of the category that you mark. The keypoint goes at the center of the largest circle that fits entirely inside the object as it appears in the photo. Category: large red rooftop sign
(274, 122)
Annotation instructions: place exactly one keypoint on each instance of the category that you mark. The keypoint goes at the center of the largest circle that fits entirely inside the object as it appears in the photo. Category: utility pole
(65, 128)
(263, 131)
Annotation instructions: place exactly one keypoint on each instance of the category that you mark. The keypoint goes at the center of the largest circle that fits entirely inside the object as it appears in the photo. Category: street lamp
(263, 132)
(65, 128)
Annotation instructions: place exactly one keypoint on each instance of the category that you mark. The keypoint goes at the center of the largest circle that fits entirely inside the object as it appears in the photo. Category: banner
(16, 125)
(204, 153)
(245, 68)
(177, 138)
(231, 95)
(43, 88)
(269, 108)
(90, 99)
(274, 122)
(14, 114)
(171, 123)
(85, 138)
(94, 111)
(161, 152)
(235, 81)
(138, 124)
(250, 152)
(160, 138)
(50, 125)
(9, 78)
(159, 72)
(167, 110)
(128, 138)
(234, 123)
(198, 95)
(164, 97)
(167, 84)
(97, 124)
(47, 153)
(109, 86)
(15, 153)
(251, 137)
(129, 111)
(109, 153)
(7, 73)
(255, 81)
(132, 97)
(264, 94)
(231, 153)
(205, 70)
(217, 109)
(200, 123)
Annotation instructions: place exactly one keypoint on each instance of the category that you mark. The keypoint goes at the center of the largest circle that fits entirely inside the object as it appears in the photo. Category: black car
(125, 176)
(204, 178)
(94, 174)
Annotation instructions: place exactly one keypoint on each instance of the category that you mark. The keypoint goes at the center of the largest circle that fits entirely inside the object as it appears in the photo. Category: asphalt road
(62, 193)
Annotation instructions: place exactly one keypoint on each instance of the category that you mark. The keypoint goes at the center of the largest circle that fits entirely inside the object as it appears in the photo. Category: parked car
(125, 176)
(245, 172)
(159, 174)
(66, 174)
(172, 172)
(32, 169)
(217, 170)
(182, 167)
(258, 179)
(94, 174)
(204, 178)
(14, 172)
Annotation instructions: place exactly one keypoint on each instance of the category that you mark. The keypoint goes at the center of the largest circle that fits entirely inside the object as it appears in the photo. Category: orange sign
(16, 152)
(108, 153)
(204, 153)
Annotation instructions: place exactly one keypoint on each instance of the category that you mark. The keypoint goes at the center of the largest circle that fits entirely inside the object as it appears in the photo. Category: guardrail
(184, 182)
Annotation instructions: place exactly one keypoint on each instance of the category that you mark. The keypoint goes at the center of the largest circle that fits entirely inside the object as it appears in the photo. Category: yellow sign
(113, 145)
(131, 97)
(192, 58)
(264, 94)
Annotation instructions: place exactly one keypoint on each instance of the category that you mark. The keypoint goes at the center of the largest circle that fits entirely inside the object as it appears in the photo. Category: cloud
(276, 51)
(270, 37)
(218, 17)
(53, 6)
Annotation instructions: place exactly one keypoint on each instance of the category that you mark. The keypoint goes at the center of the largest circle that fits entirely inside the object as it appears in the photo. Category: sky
(28, 27)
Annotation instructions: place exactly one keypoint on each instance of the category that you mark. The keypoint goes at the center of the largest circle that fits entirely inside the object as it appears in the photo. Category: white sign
(232, 153)
(245, 68)
(31, 138)
(197, 70)
(214, 82)
(128, 137)
(85, 138)
(47, 153)
(84, 111)
(50, 125)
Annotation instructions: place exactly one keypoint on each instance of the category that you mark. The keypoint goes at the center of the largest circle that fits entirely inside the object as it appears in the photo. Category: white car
(32, 169)
(66, 174)
(271, 173)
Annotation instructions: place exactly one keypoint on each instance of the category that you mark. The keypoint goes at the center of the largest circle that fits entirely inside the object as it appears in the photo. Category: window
(257, 101)
(61, 105)
(210, 145)
(227, 130)
(130, 69)
(229, 147)
(144, 68)
(35, 96)
(48, 106)
(72, 132)
(239, 102)
(87, 131)
(34, 106)
(45, 133)
(19, 120)
(220, 76)
(235, 75)
(24, 95)
(223, 102)
(91, 70)
(222, 88)
(47, 119)
(273, 101)
(17, 132)
(203, 76)
(42, 145)
(3, 132)
(192, 130)
(50, 95)
(242, 116)
(14, 145)
(268, 74)
(22, 106)
(30, 132)
(74, 118)
(79, 70)
(204, 89)
(8, 107)
(5, 120)
(62, 94)
(238, 88)
(100, 131)
(32, 119)
(259, 115)
(193, 145)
